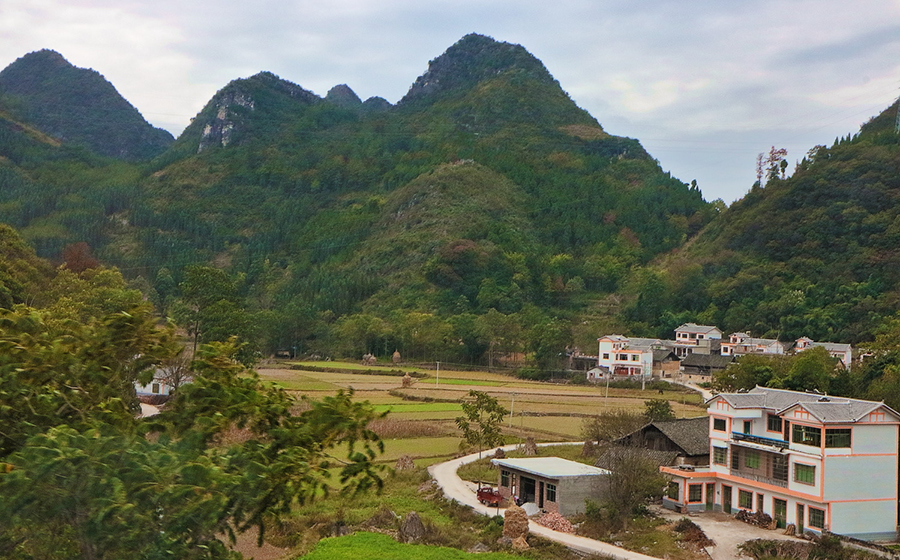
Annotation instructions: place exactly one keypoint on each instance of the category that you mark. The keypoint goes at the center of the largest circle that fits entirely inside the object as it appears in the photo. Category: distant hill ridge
(78, 106)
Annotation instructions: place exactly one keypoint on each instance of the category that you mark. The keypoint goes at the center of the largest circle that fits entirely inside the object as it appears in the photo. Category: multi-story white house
(624, 356)
(815, 461)
(741, 343)
(843, 352)
(691, 338)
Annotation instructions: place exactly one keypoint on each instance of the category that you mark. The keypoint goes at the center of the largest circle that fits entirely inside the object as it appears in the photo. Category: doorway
(726, 499)
(800, 518)
(528, 489)
(710, 495)
(541, 494)
(780, 513)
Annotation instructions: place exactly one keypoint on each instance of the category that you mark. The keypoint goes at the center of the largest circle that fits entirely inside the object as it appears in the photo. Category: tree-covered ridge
(495, 193)
(78, 106)
(812, 255)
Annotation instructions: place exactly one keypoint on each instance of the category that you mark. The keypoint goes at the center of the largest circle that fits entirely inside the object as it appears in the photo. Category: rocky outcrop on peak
(376, 104)
(342, 96)
(470, 60)
(223, 117)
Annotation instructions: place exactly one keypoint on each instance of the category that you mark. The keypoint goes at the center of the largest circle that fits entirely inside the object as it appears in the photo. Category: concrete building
(843, 352)
(815, 461)
(741, 343)
(691, 338)
(552, 483)
(627, 357)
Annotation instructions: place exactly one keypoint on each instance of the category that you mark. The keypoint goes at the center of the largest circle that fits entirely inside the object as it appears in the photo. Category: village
(803, 464)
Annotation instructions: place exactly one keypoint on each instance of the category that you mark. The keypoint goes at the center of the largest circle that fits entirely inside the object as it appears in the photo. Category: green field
(373, 546)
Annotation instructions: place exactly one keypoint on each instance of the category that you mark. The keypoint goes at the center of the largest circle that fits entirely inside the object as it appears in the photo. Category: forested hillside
(815, 254)
(347, 226)
(77, 106)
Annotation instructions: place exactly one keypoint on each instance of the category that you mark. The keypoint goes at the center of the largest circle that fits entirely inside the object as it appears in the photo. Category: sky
(704, 85)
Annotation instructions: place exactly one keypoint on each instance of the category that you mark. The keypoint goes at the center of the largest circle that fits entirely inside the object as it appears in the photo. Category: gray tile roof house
(688, 438)
(825, 408)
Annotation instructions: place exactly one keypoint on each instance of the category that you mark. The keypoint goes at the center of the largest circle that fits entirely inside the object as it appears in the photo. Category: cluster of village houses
(697, 352)
(814, 461)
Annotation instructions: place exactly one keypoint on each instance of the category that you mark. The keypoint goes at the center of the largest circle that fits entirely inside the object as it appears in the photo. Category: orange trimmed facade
(820, 463)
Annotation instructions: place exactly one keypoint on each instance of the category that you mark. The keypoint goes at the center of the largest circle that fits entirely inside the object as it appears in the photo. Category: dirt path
(727, 532)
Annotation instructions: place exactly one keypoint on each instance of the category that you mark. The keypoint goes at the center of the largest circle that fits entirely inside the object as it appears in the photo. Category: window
(837, 437)
(504, 478)
(551, 492)
(807, 435)
(804, 474)
(747, 425)
(817, 518)
(735, 458)
(635, 358)
(672, 491)
(695, 493)
(774, 423)
(623, 357)
(751, 459)
(606, 355)
(719, 424)
(720, 456)
(745, 499)
(155, 388)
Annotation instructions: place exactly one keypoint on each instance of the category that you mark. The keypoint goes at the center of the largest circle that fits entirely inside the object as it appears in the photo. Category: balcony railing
(779, 443)
(758, 478)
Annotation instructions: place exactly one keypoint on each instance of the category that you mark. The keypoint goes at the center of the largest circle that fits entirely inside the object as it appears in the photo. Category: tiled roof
(706, 360)
(695, 328)
(690, 434)
(609, 459)
(826, 409)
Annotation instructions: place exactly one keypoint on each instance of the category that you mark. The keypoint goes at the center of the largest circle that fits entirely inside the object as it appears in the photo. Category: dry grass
(395, 428)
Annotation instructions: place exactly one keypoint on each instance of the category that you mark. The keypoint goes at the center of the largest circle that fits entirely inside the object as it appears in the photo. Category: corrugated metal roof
(550, 467)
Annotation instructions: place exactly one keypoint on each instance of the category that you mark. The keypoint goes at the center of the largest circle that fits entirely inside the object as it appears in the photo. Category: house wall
(870, 521)
(573, 491)
(860, 478)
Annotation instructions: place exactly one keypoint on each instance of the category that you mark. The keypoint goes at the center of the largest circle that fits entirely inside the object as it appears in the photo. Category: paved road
(457, 489)
(148, 410)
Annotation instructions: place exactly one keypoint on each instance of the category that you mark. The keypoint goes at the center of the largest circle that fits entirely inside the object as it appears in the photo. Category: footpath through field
(459, 490)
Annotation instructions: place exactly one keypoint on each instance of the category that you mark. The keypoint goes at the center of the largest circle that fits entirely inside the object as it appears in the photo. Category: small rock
(479, 548)
(499, 454)
(412, 529)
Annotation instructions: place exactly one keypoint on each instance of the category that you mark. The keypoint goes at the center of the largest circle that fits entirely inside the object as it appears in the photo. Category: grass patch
(418, 407)
(373, 546)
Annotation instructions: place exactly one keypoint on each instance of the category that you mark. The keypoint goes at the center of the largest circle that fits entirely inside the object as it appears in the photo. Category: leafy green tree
(633, 482)
(481, 419)
(658, 410)
(62, 372)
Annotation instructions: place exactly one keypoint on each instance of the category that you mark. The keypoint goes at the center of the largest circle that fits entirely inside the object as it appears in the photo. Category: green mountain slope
(815, 254)
(485, 190)
(77, 105)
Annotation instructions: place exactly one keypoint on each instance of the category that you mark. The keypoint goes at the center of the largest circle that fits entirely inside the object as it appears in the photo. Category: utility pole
(437, 377)
(512, 406)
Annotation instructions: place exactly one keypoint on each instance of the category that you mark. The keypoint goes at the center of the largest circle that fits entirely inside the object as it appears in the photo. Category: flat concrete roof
(550, 467)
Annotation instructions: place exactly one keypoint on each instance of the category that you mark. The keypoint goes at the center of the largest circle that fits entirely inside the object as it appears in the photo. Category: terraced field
(420, 419)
